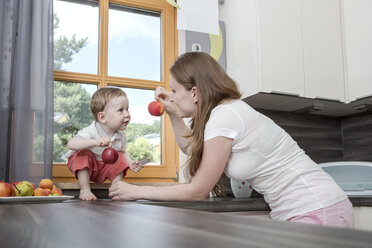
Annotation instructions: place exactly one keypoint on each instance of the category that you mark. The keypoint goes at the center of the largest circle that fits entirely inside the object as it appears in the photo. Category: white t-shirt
(271, 161)
(95, 131)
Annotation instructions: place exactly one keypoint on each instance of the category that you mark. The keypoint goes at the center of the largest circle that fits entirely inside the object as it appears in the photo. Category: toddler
(109, 107)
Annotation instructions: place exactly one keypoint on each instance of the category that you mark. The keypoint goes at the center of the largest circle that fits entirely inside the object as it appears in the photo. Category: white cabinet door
(357, 20)
(286, 46)
(322, 44)
(280, 46)
(363, 218)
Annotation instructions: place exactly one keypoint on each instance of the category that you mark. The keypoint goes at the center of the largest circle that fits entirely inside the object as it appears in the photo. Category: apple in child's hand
(156, 108)
(6, 189)
(109, 155)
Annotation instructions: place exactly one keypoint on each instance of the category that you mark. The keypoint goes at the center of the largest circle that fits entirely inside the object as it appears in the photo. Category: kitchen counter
(105, 223)
(226, 204)
(230, 204)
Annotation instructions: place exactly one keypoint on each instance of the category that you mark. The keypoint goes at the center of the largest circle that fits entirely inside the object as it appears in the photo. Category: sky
(134, 49)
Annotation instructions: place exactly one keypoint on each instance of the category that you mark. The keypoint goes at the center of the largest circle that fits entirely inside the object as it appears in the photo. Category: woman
(227, 135)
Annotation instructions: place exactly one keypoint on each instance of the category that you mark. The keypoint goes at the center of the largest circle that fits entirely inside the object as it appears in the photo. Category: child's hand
(136, 166)
(104, 141)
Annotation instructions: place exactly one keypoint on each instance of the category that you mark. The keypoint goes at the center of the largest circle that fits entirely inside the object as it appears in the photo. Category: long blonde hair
(213, 86)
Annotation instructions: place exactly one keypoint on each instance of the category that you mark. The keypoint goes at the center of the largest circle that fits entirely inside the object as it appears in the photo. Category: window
(124, 44)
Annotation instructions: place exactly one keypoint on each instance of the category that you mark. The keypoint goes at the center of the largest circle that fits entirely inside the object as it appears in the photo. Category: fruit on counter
(47, 192)
(41, 192)
(16, 182)
(156, 108)
(24, 188)
(56, 191)
(46, 184)
(6, 189)
(109, 155)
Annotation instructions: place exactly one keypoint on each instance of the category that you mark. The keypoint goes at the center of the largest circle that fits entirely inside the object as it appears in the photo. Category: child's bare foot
(87, 195)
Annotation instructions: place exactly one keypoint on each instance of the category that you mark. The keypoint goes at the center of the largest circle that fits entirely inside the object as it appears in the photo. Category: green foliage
(136, 130)
(59, 149)
(65, 48)
(38, 149)
(73, 100)
(139, 149)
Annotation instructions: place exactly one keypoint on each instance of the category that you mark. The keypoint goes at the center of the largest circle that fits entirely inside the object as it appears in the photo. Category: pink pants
(338, 215)
(98, 170)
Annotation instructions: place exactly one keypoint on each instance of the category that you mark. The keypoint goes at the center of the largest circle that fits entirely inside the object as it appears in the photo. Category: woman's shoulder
(235, 104)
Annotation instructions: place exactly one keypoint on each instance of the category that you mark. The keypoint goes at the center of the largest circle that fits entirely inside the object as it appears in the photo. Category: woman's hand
(165, 97)
(122, 191)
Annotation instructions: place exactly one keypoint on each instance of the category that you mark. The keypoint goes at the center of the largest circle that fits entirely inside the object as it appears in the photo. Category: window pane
(71, 113)
(134, 43)
(144, 130)
(38, 140)
(76, 36)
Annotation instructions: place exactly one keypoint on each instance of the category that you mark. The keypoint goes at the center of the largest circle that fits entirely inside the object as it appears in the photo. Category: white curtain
(26, 94)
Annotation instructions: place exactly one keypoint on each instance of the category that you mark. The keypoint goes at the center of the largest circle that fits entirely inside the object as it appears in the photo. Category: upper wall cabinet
(280, 47)
(285, 46)
(357, 19)
(322, 46)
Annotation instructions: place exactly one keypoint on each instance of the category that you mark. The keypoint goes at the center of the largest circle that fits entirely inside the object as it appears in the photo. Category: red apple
(56, 191)
(15, 183)
(109, 155)
(156, 108)
(6, 189)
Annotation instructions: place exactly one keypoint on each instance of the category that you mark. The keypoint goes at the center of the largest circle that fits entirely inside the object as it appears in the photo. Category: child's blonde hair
(101, 97)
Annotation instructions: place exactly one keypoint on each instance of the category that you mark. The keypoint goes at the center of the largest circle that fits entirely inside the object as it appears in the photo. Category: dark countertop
(226, 204)
(230, 204)
(361, 201)
(105, 223)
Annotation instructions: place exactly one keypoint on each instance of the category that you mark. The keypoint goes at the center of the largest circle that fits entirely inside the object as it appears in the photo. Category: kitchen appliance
(354, 177)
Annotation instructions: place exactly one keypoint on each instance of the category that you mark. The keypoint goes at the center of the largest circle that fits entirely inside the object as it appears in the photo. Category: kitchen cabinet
(322, 46)
(285, 46)
(357, 31)
(363, 218)
(280, 49)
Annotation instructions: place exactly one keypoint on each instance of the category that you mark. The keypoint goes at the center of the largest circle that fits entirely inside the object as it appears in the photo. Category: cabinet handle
(328, 98)
(284, 93)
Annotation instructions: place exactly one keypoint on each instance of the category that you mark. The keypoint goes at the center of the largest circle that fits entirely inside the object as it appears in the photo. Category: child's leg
(85, 192)
(118, 178)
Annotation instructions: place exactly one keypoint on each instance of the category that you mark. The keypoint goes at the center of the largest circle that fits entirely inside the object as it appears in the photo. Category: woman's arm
(180, 129)
(215, 155)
